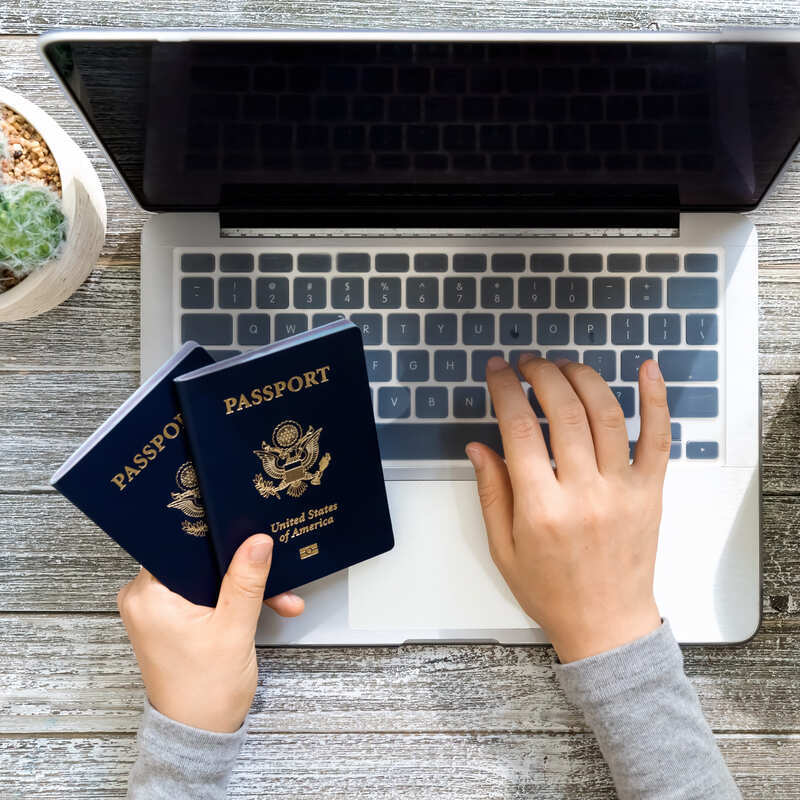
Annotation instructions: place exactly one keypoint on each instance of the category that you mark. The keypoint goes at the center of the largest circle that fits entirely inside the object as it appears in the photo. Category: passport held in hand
(285, 444)
(134, 477)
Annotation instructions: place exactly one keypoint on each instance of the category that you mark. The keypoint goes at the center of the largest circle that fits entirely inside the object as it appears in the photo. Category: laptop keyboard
(431, 320)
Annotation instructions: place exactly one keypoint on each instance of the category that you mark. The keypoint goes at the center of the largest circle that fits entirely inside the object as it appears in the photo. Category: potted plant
(52, 211)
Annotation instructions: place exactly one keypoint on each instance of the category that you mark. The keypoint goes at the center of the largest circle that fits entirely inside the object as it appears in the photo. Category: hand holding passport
(280, 440)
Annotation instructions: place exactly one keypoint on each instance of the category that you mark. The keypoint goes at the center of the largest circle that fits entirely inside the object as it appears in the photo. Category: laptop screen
(268, 124)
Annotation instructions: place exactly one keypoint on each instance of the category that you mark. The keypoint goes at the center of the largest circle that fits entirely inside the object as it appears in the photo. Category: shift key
(692, 401)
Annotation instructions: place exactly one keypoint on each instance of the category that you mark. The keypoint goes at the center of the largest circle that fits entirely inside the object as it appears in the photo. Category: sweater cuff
(206, 755)
(602, 678)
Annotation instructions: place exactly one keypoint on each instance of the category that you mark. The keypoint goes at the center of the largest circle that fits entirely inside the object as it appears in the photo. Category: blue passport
(285, 444)
(134, 477)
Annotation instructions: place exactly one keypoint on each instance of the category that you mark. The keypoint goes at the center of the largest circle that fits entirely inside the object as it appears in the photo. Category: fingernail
(653, 372)
(474, 455)
(559, 362)
(496, 363)
(524, 358)
(260, 550)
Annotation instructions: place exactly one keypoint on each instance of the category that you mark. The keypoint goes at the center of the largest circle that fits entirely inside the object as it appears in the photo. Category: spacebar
(431, 440)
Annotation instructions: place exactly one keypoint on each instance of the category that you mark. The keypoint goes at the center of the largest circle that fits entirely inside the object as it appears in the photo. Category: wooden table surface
(414, 722)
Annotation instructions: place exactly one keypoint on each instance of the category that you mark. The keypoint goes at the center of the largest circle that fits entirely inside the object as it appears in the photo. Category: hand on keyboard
(577, 545)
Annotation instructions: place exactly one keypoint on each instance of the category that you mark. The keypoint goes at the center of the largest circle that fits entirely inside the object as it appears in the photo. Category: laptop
(460, 195)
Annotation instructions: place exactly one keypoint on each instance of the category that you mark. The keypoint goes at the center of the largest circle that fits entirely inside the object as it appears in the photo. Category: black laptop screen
(260, 125)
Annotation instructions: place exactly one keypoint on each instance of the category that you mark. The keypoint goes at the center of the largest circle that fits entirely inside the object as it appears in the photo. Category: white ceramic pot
(85, 210)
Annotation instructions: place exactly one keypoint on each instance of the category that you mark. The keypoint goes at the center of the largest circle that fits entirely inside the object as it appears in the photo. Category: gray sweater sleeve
(177, 762)
(647, 720)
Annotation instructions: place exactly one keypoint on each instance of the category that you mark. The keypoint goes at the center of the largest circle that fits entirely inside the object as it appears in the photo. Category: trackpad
(439, 574)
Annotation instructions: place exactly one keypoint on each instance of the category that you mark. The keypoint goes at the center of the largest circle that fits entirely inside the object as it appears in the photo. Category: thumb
(242, 590)
(497, 501)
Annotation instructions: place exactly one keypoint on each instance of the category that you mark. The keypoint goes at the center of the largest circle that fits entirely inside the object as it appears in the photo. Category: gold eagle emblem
(189, 501)
(290, 459)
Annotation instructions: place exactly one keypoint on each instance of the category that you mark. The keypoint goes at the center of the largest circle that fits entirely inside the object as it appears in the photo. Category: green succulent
(32, 227)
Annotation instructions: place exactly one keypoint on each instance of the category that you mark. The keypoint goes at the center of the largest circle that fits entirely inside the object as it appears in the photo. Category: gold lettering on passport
(289, 460)
(189, 501)
(276, 390)
(149, 452)
(312, 519)
(309, 550)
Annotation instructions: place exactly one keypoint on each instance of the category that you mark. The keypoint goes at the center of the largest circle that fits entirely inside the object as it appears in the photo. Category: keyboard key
(562, 355)
(645, 292)
(516, 329)
(309, 293)
(221, 355)
(665, 329)
(394, 402)
(384, 292)
(513, 359)
(624, 262)
(236, 262)
(275, 262)
(469, 262)
(450, 365)
(379, 365)
(197, 262)
(197, 293)
(688, 365)
(391, 262)
(347, 292)
(403, 329)
(314, 262)
(430, 402)
(547, 262)
(661, 262)
(252, 329)
(441, 328)
(508, 262)
(412, 365)
(352, 262)
(674, 451)
(626, 398)
(324, 319)
(534, 292)
(469, 402)
(692, 292)
(627, 329)
(608, 292)
(459, 293)
(572, 292)
(701, 329)
(604, 362)
(422, 292)
(589, 329)
(235, 292)
(371, 327)
(692, 401)
(272, 293)
(479, 359)
(552, 329)
(700, 262)
(497, 292)
(207, 328)
(289, 325)
(477, 329)
(675, 431)
(430, 262)
(702, 450)
(435, 440)
(585, 262)
(630, 361)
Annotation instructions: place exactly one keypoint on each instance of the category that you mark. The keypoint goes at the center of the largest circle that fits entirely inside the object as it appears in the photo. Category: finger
(287, 604)
(497, 500)
(242, 590)
(606, 420)
(523, 443)
(570, 436)
(652, 449)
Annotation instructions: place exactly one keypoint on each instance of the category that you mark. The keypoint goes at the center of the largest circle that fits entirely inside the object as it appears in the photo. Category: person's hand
(577, 546)
(198, 663)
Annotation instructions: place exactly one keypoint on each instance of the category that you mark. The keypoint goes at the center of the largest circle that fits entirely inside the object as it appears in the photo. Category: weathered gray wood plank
(86, 681)
(374, 767)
